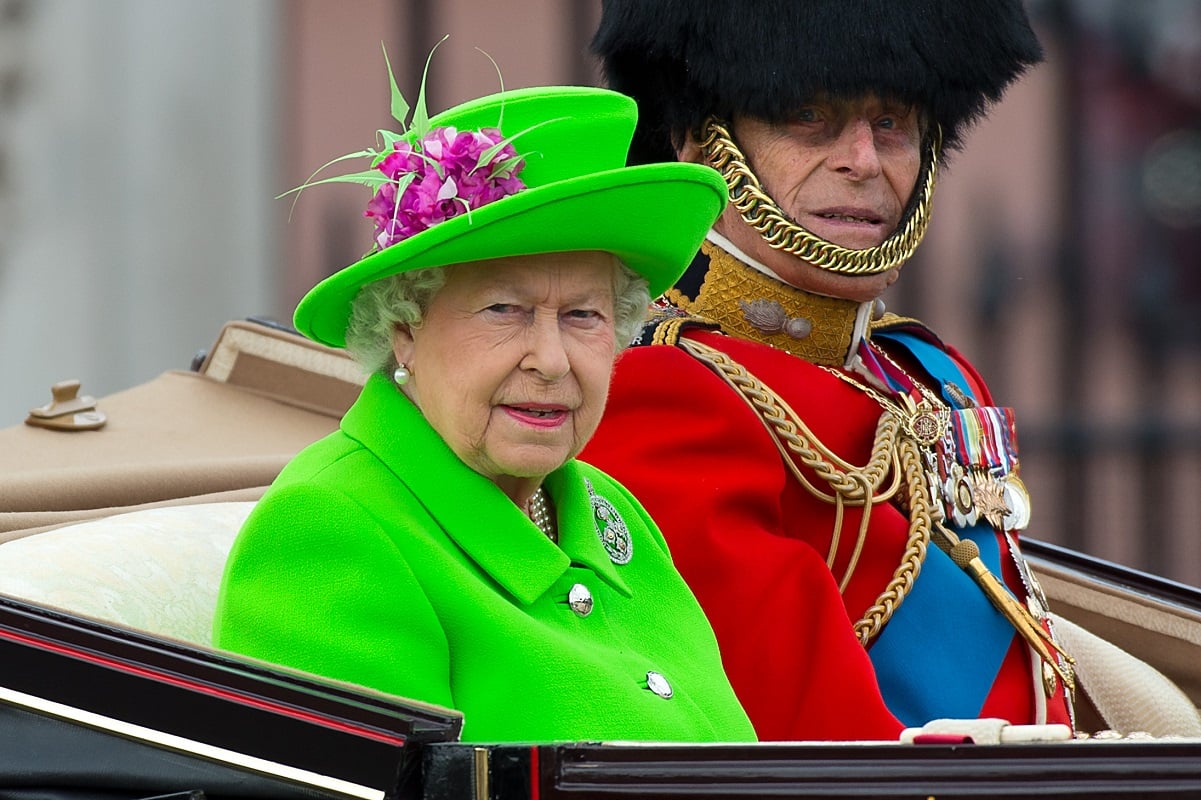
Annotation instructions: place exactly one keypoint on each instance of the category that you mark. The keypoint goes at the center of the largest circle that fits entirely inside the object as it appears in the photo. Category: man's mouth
(851, 218)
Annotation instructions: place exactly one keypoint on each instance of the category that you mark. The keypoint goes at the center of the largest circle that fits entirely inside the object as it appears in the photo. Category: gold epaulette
(894, 322)
(890, 320)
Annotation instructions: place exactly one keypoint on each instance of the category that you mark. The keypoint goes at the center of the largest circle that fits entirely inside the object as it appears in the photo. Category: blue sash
(939, 654)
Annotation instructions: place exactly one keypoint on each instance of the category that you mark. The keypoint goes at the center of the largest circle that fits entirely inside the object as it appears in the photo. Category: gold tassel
(966, 554)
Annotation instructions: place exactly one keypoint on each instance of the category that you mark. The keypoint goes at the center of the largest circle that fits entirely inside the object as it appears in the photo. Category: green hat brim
(652, 217)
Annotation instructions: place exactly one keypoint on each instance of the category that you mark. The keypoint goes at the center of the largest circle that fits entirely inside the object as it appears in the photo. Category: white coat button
(658, 684)
(580, 600)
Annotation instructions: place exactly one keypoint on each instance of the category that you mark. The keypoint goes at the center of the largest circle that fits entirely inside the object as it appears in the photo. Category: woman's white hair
(403, 299)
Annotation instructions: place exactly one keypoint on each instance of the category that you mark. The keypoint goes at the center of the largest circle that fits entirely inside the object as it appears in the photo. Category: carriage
(115, 517)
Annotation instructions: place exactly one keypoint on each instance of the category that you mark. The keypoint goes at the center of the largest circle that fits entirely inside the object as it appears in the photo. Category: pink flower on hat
(422, 176)
(441, 175)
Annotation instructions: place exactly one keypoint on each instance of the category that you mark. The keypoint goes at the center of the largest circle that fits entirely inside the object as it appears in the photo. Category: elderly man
(835, 482)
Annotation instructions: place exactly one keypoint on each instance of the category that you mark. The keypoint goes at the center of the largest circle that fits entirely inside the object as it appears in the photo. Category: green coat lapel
(470, 509)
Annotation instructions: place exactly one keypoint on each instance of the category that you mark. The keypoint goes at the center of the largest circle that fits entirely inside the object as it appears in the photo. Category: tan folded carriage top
(221, 432)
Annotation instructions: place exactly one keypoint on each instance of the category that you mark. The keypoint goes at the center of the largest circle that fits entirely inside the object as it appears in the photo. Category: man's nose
(854, 151)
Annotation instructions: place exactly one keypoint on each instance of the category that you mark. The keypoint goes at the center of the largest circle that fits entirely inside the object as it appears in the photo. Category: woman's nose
(546, 353)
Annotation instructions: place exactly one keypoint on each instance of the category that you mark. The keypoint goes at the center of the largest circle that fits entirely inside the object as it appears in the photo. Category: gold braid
(920, 523)
(892, 453)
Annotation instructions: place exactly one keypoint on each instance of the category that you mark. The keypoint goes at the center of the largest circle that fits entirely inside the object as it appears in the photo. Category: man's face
(842, 170)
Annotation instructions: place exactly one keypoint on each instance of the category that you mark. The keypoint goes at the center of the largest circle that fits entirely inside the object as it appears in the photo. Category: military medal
(989, 497)
(610, 528)
(981, 480)
(961, 497)
(1017, 503)
(926, 425)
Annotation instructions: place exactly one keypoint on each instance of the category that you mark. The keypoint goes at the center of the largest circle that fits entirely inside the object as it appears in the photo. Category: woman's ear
(402, 343)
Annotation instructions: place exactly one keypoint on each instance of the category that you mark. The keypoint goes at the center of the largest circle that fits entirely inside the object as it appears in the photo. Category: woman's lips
(538, 415)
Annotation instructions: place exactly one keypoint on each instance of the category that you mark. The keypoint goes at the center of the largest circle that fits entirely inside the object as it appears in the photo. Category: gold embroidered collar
(752, 305)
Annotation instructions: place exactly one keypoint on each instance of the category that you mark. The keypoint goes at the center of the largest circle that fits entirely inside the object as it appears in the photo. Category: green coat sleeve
(314, 582)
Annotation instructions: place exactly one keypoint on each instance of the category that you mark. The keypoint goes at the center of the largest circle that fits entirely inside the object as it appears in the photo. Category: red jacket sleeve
(708, 472)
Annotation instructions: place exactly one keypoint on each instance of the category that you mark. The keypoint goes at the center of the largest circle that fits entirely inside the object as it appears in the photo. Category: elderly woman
(444, 545)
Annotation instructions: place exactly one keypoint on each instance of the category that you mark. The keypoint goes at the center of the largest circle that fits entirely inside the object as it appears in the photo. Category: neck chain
(538, 510)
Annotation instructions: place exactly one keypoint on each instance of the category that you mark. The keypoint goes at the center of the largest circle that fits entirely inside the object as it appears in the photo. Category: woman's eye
(582, 315)
(503, 308)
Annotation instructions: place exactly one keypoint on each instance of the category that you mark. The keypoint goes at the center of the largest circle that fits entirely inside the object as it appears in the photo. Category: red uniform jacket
(752, 542)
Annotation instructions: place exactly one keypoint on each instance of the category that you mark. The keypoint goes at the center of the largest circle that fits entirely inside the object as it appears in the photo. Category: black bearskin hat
(684, 60)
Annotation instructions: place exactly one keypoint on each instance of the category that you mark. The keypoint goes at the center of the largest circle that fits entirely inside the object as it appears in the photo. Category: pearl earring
(401, 375)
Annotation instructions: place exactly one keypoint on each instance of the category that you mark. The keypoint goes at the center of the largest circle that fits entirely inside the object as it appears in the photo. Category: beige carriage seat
(155, 570)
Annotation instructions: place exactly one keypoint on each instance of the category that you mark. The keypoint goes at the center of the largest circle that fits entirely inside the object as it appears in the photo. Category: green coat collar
(472, 510)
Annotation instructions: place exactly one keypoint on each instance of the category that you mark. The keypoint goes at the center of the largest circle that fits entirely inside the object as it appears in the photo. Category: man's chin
(850, 235)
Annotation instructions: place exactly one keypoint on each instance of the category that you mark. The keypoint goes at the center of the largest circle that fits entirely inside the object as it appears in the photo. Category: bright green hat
(578, 195)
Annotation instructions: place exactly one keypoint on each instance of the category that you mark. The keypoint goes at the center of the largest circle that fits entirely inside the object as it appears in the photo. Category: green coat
(378, 557)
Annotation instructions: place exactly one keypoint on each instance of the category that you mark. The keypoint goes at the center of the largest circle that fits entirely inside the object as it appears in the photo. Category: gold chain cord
(892, 453)
(761, 212)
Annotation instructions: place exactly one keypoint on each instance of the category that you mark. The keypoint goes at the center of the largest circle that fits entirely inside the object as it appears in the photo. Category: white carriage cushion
(1130, 694)
(155, 570)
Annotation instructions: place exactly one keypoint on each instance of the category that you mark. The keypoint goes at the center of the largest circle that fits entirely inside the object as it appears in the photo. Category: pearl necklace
(538, 510)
